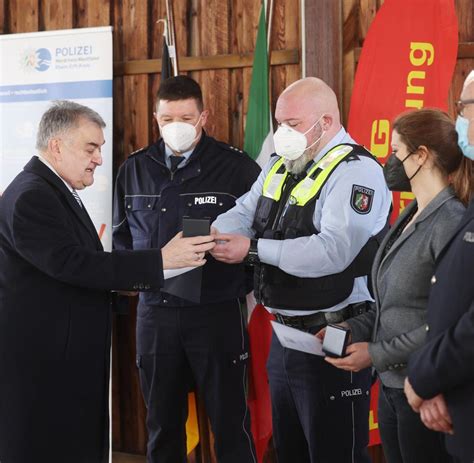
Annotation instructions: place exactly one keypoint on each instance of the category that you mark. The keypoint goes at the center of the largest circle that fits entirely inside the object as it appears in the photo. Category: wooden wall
(206, 28)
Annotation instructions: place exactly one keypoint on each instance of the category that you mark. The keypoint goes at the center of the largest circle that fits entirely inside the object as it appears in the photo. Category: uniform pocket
(206, 205)
(142, 215)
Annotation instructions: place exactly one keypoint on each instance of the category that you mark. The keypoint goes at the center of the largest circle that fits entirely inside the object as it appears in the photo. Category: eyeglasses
(461, 105)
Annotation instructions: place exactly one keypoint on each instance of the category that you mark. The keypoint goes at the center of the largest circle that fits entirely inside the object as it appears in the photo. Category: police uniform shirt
(343, 229)
(186, 155)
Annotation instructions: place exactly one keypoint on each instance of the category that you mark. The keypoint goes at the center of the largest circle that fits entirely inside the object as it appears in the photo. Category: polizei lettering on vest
(205, 200)
(351, 392)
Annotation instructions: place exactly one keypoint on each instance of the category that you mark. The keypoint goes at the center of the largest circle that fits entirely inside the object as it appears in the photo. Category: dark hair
(434, 129)
(180, 88)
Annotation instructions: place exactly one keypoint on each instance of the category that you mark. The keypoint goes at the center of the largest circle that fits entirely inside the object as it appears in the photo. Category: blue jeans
(405, 438)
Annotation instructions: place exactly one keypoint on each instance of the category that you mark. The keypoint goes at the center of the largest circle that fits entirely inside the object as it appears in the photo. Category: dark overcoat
(55, 321)
(445, 364)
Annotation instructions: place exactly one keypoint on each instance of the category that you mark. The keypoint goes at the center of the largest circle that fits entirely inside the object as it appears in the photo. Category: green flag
(258, 140)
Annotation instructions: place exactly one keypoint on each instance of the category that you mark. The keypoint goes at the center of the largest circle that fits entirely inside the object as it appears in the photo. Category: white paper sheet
(298, 340)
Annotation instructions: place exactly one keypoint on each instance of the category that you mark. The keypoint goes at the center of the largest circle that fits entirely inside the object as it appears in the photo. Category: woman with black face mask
(426, 160)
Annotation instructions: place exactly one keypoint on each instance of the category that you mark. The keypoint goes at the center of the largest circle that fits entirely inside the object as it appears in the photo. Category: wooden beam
(465, 51)
(323, 38)
(197, 63)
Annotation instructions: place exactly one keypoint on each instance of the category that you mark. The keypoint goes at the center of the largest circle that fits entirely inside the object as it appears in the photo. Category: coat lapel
(432, 207)
(39, 168)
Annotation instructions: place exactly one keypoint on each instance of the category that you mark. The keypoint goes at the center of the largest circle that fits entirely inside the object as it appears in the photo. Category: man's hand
(231, 249)
(186, 252)
(413, 398)
(435, 415)
(357, 358)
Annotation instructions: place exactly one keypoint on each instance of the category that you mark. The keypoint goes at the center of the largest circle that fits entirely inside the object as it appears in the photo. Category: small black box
(196, 227)
(335, 341)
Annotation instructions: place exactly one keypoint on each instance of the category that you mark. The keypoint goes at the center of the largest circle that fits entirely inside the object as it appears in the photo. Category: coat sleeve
(396, 351)
(43, 237)
(362, 326)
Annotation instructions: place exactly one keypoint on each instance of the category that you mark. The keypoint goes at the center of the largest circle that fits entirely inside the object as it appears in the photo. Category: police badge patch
(361, 199)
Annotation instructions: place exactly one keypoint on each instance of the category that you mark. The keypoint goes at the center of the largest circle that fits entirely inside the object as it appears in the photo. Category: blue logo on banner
(36, 60)
(43, 59)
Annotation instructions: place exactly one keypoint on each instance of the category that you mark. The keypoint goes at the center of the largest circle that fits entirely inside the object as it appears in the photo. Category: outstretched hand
(230, 249)
(182, 252)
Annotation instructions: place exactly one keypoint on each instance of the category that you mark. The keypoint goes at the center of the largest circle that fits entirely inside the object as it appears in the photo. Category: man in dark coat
(54, 298)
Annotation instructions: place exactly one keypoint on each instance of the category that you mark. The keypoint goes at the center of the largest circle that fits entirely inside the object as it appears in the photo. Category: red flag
(260, 335)
(407, 62)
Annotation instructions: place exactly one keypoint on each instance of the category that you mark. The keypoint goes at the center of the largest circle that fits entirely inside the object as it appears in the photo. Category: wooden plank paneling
(203, 63)
(292, 39)
(277, 42)
(213, 27)
(92, 14)
(131, 23)
(324, 26)
(350, 12)
(23, 16)
(3, 17)
(56, 14)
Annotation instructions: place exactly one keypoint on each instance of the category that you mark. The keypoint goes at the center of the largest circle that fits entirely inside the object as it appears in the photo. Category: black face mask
(395, 175)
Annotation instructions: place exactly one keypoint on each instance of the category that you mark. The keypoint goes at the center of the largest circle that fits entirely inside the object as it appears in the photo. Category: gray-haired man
(54, 298)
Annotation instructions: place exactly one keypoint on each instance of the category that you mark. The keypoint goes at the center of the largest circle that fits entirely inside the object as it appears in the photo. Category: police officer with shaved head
(310, 224)
(182, 342)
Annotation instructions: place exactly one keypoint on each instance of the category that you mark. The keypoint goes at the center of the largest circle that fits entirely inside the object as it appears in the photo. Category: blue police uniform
(181, 343)
(320, 413)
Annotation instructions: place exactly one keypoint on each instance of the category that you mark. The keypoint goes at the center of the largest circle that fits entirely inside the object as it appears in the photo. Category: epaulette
(138, 151)
(229, 147)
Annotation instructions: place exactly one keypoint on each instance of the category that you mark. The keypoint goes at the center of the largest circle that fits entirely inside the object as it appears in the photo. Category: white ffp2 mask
(179, 136)
(291, 144)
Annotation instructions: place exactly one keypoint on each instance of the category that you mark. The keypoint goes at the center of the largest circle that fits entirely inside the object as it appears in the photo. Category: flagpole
(172, 37)
(269, 15)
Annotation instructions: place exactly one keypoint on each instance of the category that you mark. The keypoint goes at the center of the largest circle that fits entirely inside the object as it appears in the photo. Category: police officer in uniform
(181, 343)
(311, 224)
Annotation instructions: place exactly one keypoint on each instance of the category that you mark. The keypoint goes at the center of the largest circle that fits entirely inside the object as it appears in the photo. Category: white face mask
(291, 144)
(179, 136)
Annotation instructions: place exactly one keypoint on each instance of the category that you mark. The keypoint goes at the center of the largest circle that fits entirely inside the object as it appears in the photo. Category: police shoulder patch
(361, 199)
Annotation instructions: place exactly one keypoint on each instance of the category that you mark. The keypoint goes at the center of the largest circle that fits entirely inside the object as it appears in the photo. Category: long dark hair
(434, 129)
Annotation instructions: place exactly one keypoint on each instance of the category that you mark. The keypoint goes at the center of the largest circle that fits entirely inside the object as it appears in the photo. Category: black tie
(175, 162)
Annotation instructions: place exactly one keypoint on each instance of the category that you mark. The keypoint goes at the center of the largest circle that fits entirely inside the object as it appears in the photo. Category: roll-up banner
(40, 67)
(407, 62)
